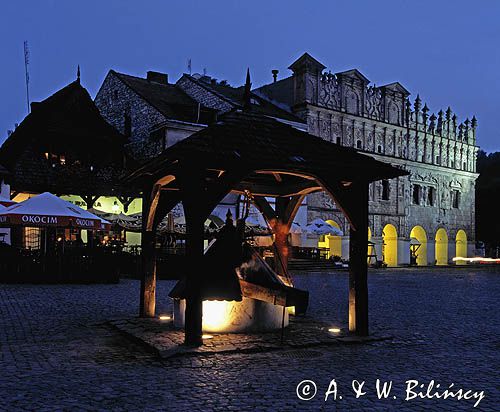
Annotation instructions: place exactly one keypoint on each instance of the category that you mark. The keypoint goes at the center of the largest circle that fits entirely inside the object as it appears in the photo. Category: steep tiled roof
(69, 124)
(70, 114)
(236, 95)
(168, 99)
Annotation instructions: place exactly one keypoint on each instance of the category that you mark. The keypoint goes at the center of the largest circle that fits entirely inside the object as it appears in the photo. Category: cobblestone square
(58, 351)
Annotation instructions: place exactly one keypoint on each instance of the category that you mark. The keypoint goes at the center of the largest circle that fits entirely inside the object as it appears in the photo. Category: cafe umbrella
(48, 210)
(320, 227)
(5, 202)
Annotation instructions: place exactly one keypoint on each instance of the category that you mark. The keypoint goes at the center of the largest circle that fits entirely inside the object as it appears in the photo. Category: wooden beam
(148, 255)
(358, 267)
(353, 201)
(192, 201)
(265, 208)
(265, 294)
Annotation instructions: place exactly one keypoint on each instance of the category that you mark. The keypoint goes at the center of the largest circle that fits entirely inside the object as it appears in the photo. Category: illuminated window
(31, 238)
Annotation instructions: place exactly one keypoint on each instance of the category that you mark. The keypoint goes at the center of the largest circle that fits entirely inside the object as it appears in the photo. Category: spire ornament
(246, 95)
(440, 122)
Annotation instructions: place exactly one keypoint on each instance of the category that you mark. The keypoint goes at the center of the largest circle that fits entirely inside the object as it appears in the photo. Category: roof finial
(78, 74)
(246, 96)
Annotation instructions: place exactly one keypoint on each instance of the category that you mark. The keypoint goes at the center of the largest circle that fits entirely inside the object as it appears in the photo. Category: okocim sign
(47, 220)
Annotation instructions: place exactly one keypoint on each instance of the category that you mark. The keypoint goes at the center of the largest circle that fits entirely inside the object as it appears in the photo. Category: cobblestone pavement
(56, 353)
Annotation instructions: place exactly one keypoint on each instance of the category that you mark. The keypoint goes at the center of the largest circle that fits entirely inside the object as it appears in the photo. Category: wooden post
(148, 257)
(358, 268)
(148, 280)
(194, 258)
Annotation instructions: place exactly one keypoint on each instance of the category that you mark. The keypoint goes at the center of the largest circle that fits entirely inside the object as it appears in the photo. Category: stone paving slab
(166, 341)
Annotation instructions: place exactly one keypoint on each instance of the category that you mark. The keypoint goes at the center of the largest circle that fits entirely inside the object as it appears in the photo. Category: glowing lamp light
(164, 317)
(334, 330)
(217, 314)
(206, 336)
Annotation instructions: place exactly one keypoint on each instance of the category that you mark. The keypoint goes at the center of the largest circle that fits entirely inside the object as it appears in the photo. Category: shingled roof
(68, 114)
(169, 99)
(255, 142)
(236, 97)
(67, 123)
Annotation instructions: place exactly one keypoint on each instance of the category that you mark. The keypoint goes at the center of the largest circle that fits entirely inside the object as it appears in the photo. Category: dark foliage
(487, 195)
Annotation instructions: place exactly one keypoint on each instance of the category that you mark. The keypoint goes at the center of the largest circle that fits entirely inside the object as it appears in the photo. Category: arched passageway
(441, 247)
(461, 246)
(390, 250)
(420, 251)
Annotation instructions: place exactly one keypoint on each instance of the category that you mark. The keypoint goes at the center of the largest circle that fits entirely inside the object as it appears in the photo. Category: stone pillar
(378, 245)
(403, 251)
(471, 249)
(452, 250)
(431, 252)
(345, 247)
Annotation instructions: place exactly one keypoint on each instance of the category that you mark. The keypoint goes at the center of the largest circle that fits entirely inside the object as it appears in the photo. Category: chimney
(157, 77)
(275, 74)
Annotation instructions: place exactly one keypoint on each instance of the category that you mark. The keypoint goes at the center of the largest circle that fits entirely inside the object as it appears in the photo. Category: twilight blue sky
(448, 51)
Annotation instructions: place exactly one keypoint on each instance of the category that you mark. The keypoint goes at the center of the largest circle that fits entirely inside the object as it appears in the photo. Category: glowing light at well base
(217, 314)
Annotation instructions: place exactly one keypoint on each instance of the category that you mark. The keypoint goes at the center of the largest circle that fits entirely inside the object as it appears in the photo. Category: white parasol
(320, 227)
(51, 211)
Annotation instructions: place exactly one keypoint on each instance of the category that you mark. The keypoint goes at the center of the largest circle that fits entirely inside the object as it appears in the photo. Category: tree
(487, 189)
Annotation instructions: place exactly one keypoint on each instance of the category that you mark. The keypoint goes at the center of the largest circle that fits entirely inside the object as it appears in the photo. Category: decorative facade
(435, 203)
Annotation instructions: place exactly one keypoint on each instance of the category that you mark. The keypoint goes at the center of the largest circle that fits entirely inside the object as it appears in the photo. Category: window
(416, 194)
(358, 144)
(455, 199)
(452, 163)
(379, 149)
(385, 190)
(438, 160)
(465, 166)
(431, 196)
(338, 139)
